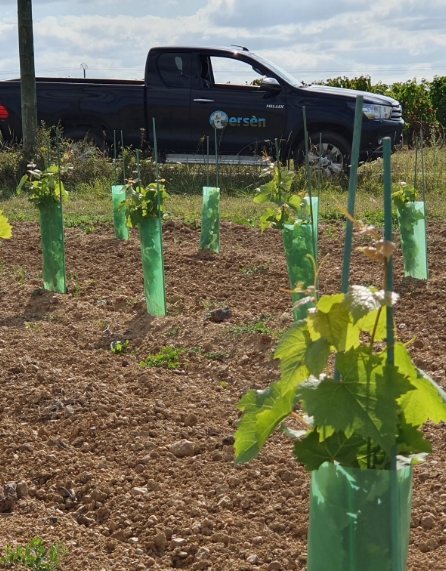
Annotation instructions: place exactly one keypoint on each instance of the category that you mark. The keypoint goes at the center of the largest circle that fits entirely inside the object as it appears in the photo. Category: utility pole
(84, 66)
(27, 77)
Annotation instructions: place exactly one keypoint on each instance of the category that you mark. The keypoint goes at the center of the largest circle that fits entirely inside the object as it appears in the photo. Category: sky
(390, 40)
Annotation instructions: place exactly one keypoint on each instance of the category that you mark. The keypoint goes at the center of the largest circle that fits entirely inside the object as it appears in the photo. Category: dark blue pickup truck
(197, 92)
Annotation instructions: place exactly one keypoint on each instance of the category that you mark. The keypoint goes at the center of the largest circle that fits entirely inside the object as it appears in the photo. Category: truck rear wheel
(333, 158)
(92, 136)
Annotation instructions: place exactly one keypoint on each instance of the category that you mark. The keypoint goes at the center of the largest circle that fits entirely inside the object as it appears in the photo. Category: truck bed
(92, 107)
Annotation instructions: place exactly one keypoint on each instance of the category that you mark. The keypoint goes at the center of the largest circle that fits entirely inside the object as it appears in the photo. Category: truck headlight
(377, 111)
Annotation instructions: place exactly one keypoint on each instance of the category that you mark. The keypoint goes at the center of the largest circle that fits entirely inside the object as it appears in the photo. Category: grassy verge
(93, 176)
(92, 210)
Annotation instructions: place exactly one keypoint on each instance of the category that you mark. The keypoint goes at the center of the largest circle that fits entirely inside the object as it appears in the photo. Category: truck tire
(336, 152)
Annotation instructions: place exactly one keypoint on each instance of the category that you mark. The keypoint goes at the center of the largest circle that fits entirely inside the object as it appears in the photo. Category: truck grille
(397, 112)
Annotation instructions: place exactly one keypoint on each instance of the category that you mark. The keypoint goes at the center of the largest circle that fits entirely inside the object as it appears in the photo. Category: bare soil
(86, 434)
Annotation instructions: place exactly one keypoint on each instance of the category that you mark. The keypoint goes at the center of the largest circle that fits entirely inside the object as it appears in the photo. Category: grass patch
(35, 555)
(168, 357)
(211, 355)
(86, 214)
(259, 326)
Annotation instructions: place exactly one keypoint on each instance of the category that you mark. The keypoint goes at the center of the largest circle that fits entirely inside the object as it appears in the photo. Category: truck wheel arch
(336, 151)
(95, 135)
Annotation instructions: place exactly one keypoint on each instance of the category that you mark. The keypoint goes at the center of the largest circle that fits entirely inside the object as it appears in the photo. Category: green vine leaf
(278, 190)
(286, 180)
(266, 193)
(317, 355)
(143, 202)
(337, 447)
(328, 301)
(332, 326)
(403, 194)
(335, 326)
(267, 218)
(264, 410)
(293, 353)
(44, 187)
(5, 227)
(360, 300)
(440, 391)
(371, 455)
(365, 401)
(367, 323)
(425, 403)
(296, 202)
(411, 440)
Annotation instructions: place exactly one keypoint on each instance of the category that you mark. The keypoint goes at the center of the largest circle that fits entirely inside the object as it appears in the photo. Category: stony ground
(131, 467)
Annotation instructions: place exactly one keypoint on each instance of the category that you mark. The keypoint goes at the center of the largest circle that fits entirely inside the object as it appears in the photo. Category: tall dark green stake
(353, 181)
(397, 564)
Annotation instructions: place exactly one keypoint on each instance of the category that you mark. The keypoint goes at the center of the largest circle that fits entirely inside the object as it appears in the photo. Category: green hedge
(424, 102)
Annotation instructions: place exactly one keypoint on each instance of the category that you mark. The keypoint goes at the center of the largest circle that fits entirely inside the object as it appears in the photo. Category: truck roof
(223, 49)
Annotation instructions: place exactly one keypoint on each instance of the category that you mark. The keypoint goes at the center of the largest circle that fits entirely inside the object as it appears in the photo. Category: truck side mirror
(270, 84)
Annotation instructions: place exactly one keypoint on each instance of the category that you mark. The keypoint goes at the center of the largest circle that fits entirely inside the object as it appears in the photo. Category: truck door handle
(204, 100)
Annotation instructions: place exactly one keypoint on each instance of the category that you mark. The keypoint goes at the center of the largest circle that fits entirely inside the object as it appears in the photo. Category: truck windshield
(277, 70)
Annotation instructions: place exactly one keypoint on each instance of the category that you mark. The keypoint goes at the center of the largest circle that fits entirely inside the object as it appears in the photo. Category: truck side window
(234, 72)
(175, 69)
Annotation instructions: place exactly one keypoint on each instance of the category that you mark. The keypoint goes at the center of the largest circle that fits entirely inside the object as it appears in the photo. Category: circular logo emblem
(218, 119)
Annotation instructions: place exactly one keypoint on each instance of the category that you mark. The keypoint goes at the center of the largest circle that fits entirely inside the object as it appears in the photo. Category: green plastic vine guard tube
(53, 248)
(150, 232)
(351, 520)
(412, 223)
(119, 217)
(315, 213)
(298, 243)
(210, 219)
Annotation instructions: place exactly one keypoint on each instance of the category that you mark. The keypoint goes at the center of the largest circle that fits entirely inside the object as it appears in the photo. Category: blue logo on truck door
(219, 120)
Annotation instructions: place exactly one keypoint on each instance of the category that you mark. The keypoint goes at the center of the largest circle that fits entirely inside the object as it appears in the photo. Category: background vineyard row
(423, 102)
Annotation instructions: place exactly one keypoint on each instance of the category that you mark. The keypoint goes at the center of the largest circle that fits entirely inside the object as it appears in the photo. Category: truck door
(168, 87)
(227, 98)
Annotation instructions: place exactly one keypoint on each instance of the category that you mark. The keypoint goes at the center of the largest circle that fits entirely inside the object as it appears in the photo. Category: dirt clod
(182, 448)
(22, 489)
(220, 314)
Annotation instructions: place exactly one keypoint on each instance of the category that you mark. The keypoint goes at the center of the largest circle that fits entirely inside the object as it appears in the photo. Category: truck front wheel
(332, 155)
